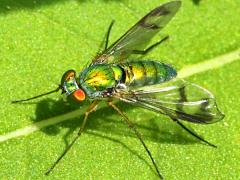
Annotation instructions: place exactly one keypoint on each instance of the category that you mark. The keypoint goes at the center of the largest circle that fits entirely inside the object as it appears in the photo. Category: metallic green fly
(148, 84)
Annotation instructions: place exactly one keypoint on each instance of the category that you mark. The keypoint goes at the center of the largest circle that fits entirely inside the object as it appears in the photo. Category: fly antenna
(35, 97)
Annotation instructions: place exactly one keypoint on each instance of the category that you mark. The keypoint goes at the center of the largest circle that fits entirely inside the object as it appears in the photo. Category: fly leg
(193, 133)
(131, 126)
(150, 48)
(108, 34)
(106, 38)
(89, 110)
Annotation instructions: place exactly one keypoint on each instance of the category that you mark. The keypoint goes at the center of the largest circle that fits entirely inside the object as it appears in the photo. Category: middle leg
(144, 52)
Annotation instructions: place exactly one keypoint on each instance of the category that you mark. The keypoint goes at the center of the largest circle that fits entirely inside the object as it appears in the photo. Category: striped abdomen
(141, 73)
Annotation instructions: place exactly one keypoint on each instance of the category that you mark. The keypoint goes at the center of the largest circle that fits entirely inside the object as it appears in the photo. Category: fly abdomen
(141, 73)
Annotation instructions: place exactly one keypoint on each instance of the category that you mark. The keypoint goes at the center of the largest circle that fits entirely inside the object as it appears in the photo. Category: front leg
(89, 110)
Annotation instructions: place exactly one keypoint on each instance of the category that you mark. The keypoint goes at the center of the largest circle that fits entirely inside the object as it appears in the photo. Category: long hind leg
(139, 136)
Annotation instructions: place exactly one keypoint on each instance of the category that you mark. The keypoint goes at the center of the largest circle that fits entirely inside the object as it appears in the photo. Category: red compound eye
(79, 95)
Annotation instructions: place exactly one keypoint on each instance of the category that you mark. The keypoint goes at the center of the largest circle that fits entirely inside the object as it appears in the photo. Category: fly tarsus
(194, 134)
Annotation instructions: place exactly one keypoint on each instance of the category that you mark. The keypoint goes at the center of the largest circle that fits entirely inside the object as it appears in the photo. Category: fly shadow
(101, 123)
(156, 129)
(7, 6)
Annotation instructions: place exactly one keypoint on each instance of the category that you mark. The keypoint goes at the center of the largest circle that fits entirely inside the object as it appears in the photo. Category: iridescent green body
(99, 78)
(108, 79)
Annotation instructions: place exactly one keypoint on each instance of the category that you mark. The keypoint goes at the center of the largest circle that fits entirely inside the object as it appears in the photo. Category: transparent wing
(181, 100)
(137, 37)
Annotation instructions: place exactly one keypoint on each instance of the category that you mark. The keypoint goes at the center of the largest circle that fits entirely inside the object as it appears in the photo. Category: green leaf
(41, 39)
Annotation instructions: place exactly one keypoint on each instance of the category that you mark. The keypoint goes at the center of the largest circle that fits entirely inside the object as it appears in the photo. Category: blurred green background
(41, 39)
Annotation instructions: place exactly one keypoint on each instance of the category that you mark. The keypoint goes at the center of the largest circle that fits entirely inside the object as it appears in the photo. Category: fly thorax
(97, 79)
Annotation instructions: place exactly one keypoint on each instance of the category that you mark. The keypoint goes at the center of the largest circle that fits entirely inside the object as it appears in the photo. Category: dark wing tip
(168, 9)
(175, 3)
(173, 6)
